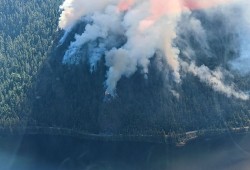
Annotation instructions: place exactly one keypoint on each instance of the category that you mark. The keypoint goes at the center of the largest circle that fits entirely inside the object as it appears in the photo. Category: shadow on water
(62, 153)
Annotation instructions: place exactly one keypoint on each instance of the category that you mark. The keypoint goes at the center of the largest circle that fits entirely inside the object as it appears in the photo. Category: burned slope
(38, 89)
(74, 97)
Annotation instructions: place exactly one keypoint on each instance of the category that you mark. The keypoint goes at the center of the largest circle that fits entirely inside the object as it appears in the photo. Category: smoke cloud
(242, 64)
(128, 33)
(214, 79)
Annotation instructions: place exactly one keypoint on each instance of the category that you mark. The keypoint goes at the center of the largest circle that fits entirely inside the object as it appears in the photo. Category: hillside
(38, 89)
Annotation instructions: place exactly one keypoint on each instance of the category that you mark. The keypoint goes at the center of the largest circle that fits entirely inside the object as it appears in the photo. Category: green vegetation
(37, 90)
(26, 36)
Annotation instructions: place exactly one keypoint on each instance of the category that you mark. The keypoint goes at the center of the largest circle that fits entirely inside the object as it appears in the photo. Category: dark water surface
(43, 152)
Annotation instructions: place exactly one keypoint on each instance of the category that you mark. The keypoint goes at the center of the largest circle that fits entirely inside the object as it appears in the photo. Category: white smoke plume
(148, 26)
(242, 64)
(214, 79)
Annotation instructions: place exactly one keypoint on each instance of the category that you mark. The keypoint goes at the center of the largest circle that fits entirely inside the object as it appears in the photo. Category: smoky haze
(129, 33)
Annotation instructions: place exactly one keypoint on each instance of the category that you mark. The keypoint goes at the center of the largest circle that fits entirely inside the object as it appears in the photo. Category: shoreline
(177, 139)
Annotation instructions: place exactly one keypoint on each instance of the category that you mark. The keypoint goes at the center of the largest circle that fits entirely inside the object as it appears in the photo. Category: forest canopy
(38, 89)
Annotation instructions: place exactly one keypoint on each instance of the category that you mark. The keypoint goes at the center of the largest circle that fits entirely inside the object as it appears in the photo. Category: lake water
(62, 153)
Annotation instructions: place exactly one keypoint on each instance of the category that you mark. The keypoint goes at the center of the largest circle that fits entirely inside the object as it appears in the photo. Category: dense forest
(26, 37)
(36, 89)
